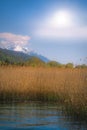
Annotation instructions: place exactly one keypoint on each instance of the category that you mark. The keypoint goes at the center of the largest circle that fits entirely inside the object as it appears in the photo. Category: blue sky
(56, 29)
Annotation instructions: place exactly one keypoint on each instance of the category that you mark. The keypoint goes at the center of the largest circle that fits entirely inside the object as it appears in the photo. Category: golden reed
(68, 86)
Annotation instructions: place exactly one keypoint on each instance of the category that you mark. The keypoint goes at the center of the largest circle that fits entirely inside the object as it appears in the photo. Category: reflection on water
(35, 116)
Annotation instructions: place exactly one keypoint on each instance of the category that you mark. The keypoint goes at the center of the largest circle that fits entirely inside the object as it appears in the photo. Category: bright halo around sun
(61, 19)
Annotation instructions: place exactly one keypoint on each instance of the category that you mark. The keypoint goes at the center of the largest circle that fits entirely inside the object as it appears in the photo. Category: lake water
(36, 116)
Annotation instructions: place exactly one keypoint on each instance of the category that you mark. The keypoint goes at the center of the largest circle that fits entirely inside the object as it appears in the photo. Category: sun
(61, 19)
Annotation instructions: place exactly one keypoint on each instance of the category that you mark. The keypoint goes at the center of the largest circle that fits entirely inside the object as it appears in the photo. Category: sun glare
(61, 19)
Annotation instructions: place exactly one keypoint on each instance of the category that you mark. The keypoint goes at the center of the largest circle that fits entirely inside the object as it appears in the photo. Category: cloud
(62, 25)
(63, 33)
(10, 39)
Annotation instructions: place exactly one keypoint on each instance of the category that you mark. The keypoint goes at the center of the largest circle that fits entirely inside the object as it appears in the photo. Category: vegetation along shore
(48, 84)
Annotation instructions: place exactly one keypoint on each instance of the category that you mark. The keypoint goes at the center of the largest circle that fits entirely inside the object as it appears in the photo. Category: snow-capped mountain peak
(18, 48)
(30, 52)
(27, 51)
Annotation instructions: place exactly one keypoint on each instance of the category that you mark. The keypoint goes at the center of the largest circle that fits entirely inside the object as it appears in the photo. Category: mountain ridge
(19, 56)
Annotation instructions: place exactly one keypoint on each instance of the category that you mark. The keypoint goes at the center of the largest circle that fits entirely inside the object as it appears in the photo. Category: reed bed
(68, 86)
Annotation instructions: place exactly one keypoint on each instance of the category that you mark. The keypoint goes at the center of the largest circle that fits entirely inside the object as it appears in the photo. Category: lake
(36, 116)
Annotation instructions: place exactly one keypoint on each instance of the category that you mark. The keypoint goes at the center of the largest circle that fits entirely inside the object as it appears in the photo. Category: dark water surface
(36, 116)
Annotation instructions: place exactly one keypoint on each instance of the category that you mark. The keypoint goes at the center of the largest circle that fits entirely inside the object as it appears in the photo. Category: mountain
(13, 56)
(28, 52)
(32, 53)
(18, 57)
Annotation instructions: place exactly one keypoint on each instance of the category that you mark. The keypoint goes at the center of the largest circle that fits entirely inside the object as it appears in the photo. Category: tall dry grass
(68, 86)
